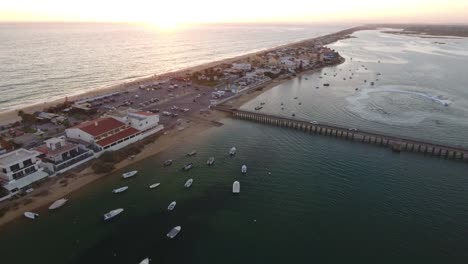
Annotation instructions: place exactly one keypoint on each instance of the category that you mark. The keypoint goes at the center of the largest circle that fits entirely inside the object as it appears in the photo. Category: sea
(305, 198)
(45, 61)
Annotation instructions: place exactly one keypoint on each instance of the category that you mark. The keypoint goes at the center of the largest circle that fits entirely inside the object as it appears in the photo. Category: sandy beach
(11, 116)
(59, 187)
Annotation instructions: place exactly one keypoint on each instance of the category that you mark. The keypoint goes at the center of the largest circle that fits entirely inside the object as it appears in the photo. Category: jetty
(395, 143)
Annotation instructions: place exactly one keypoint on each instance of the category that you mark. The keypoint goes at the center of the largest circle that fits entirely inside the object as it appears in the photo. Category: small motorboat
(244, 169)
(172, 206)
(188, 167)
(258, 108)
(232, 151)
(210, 161)
(192, 153)
(31, 215)
(129, 174)
(121, 189)
(167, 163)
(236, 187)
(145, 261)
(57, 204)
(152, 186)
(326, 84)
(113, 213)
(174, 231)
(188, 183)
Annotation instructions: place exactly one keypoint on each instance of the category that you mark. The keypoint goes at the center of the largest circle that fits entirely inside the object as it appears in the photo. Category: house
(58, 155)
(20, 168)
(117, 130)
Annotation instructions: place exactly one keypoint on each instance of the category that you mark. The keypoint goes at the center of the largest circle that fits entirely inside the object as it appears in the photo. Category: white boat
(188, 183)
(174, 231)
(232, 151)
(31, 215)
(236, 187)
(188, 167)
(192, 153)
(172, 206)
(145, 261)
(113, 213)
(152, 186)
(210, 161)
(57, 204)
(244, 169)
(121, 189)
(129, 174)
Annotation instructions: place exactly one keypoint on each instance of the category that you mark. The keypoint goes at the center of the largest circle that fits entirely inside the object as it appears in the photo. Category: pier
(395, 143)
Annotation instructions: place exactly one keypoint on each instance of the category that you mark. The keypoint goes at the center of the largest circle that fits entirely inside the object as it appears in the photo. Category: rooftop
(17, 156)
(118, 136)
(45, 150)
(100, 126)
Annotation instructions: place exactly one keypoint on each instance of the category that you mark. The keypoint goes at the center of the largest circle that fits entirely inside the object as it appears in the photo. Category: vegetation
(106, 162)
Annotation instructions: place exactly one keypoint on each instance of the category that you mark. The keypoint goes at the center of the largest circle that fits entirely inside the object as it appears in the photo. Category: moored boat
(210, 161)
(172, 206)
(145, 261)
(57, 204)
(232, 151)
(113, 213)
(188, 167)
(236, 187)
(121, 189)
(174, 231)
(129, 174)
(244, 169)
(152, 186)
(192, 153)
(188, 183)
(31, 215)
(167, 163)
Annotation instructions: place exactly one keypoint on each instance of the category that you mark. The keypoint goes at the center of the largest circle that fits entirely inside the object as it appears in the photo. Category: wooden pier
(395, 143)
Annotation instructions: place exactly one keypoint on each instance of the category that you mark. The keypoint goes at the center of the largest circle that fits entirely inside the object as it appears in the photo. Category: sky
(170, 13)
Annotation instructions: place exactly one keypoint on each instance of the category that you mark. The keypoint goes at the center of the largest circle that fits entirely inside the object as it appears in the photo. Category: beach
(57, 188)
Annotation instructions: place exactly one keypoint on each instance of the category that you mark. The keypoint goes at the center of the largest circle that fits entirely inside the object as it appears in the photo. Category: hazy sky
(174, 12)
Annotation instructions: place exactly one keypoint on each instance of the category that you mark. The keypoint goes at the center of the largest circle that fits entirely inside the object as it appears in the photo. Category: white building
(116, 131)
(20, 168)
(242, 66)
(58, 155)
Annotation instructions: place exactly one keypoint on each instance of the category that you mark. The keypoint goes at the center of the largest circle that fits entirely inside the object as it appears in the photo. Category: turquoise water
(326, 200)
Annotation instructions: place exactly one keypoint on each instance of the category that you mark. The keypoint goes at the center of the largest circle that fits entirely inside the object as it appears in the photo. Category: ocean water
(44, 61)
(420, 88)
(326, 200)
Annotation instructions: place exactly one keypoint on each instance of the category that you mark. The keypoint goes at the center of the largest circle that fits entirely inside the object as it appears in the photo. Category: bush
(102, 167)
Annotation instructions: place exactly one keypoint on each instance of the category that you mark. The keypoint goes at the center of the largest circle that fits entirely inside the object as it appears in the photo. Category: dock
(395, 143)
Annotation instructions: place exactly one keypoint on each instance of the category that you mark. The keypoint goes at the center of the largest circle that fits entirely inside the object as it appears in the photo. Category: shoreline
(11, 116)
(72, 181)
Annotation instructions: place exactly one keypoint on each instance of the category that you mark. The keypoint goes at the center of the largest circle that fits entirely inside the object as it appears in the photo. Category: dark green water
(326, 201)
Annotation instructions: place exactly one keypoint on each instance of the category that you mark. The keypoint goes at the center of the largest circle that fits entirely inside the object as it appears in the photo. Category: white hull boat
(236, 187)
(210, 161)
(57, 204)
(113, 213)
(188, 167)
(188, 183)
(192, 153)
(172, 206)
(174, 231)
(31, 215)
(121, 189)
(152, 186)
(232, 151)
(129, 174)
(244, 169)
(145, 261)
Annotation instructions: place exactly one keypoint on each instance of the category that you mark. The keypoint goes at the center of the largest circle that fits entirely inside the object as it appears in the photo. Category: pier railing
(396, 143)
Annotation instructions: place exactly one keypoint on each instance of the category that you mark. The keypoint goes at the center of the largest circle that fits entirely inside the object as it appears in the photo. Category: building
(116, 130)
(20, 168)
(58, 155)
(242, 66)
